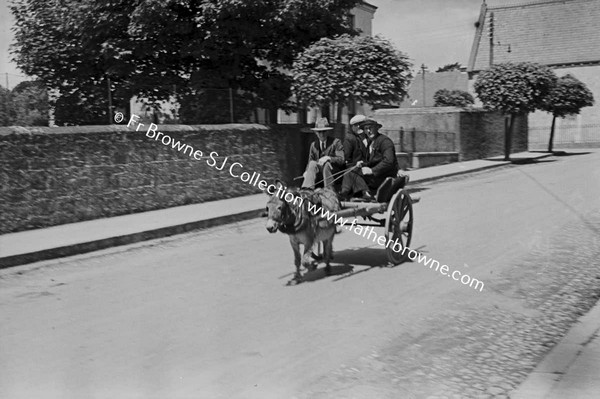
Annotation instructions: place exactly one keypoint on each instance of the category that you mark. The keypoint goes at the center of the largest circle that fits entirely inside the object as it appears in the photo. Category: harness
(295, 217)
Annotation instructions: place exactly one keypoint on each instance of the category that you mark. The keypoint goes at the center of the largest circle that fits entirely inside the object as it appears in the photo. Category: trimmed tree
(452, 98)
(367, 69)
(566, 98)
(514, 89)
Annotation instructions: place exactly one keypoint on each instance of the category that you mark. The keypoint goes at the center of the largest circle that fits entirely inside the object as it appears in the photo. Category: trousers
(314, 171)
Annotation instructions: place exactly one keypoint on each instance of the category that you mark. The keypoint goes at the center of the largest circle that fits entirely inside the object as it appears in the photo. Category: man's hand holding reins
(323, 160)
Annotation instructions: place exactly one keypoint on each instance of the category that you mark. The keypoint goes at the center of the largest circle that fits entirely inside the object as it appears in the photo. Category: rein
(339, 175)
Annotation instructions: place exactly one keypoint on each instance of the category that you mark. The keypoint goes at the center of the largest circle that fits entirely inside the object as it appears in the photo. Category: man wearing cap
(355, 150)
(380, 162)
(325, 153)
(355, 144)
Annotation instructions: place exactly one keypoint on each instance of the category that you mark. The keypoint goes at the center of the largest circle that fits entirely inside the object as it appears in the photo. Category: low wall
(427, 159)
(475, 133)
(51, 176)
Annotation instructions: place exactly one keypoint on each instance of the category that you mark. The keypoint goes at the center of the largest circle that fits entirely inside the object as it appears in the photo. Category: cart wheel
(398, 225)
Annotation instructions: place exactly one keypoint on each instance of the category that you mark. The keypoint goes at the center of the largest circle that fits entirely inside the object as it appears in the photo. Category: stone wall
(51, 176)
(477, 133)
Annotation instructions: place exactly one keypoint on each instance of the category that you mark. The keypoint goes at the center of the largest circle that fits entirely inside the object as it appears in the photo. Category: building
(561, 34)
(425, 84)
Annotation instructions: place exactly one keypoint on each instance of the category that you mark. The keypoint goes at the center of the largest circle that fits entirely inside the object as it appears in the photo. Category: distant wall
(431, 82)
(475, 133)
(51, 176)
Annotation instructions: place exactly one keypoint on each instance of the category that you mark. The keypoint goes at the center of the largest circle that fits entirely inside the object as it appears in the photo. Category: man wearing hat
(355, 144)
(325, 153)
(380, 162)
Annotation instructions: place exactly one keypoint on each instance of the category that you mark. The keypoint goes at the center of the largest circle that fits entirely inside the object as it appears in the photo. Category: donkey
(293, 218)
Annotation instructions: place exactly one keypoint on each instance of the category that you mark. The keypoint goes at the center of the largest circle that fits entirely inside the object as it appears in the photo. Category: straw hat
(321, 125)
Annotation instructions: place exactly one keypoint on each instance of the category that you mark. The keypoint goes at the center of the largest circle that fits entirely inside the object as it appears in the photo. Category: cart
(392, 208)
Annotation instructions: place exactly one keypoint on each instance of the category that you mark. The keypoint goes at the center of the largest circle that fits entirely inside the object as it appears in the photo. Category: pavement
(569, 370)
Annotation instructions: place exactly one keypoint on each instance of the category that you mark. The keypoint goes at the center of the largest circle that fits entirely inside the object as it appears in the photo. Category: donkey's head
(278, 210)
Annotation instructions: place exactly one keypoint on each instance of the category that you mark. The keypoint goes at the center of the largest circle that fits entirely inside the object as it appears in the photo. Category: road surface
(208, 314)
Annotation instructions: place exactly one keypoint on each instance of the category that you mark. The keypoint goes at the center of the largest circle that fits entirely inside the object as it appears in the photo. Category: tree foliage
(513, 89)
(155, 49)
(26, 105)
(453, 98)
(30, 104)
(567, 97)
(6, 110)
(365, 69)
(450, 67)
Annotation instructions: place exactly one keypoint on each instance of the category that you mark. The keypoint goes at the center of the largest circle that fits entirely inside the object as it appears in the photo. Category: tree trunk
(551, 141)
(340, 110)
(508, 127)
(325, 112)
(272, 116)
(302, 116)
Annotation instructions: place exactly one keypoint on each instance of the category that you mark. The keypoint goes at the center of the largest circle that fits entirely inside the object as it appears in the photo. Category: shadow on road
(320, 272)
(563, 153)
(362, 257)
(530, 161)
(567, 154)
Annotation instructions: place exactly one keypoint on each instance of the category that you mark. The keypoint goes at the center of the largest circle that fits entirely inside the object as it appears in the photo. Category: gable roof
(550, 32)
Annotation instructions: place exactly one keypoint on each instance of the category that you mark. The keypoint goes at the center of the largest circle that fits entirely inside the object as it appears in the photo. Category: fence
(413, 140)
(569, 136)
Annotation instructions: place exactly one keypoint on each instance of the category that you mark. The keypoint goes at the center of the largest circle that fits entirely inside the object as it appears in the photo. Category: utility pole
(423, 68)
(491, 35)
(7, 81)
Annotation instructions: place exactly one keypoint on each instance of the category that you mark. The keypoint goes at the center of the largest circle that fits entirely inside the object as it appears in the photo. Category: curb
(555, 365)
(96, 245)
(493, 165)
(460, 172)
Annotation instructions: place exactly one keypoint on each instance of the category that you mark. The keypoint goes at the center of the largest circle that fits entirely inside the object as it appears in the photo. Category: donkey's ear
(279, 184)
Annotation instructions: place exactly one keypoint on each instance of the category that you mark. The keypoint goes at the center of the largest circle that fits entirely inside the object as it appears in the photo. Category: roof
(550, 32)
(368, 5)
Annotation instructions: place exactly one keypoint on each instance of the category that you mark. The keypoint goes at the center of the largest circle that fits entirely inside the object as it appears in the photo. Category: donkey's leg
(307, 259)
(328, 251)
(297, 259)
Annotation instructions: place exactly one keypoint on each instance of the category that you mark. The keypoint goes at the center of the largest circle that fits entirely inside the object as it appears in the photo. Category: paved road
(208, 315)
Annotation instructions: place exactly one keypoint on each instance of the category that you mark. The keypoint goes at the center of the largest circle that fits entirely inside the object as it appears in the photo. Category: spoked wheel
(398, 226)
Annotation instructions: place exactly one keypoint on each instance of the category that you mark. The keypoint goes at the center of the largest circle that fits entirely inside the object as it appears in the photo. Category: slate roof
(551, 32)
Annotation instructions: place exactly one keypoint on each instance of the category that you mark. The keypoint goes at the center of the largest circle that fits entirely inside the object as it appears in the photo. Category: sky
(430, 32)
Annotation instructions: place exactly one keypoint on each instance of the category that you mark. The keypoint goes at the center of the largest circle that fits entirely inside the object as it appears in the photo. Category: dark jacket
(382, 157)
(333, 149)
(354, 150)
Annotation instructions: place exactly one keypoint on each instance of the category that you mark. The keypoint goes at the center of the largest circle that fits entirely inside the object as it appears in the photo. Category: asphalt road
(208, 314)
